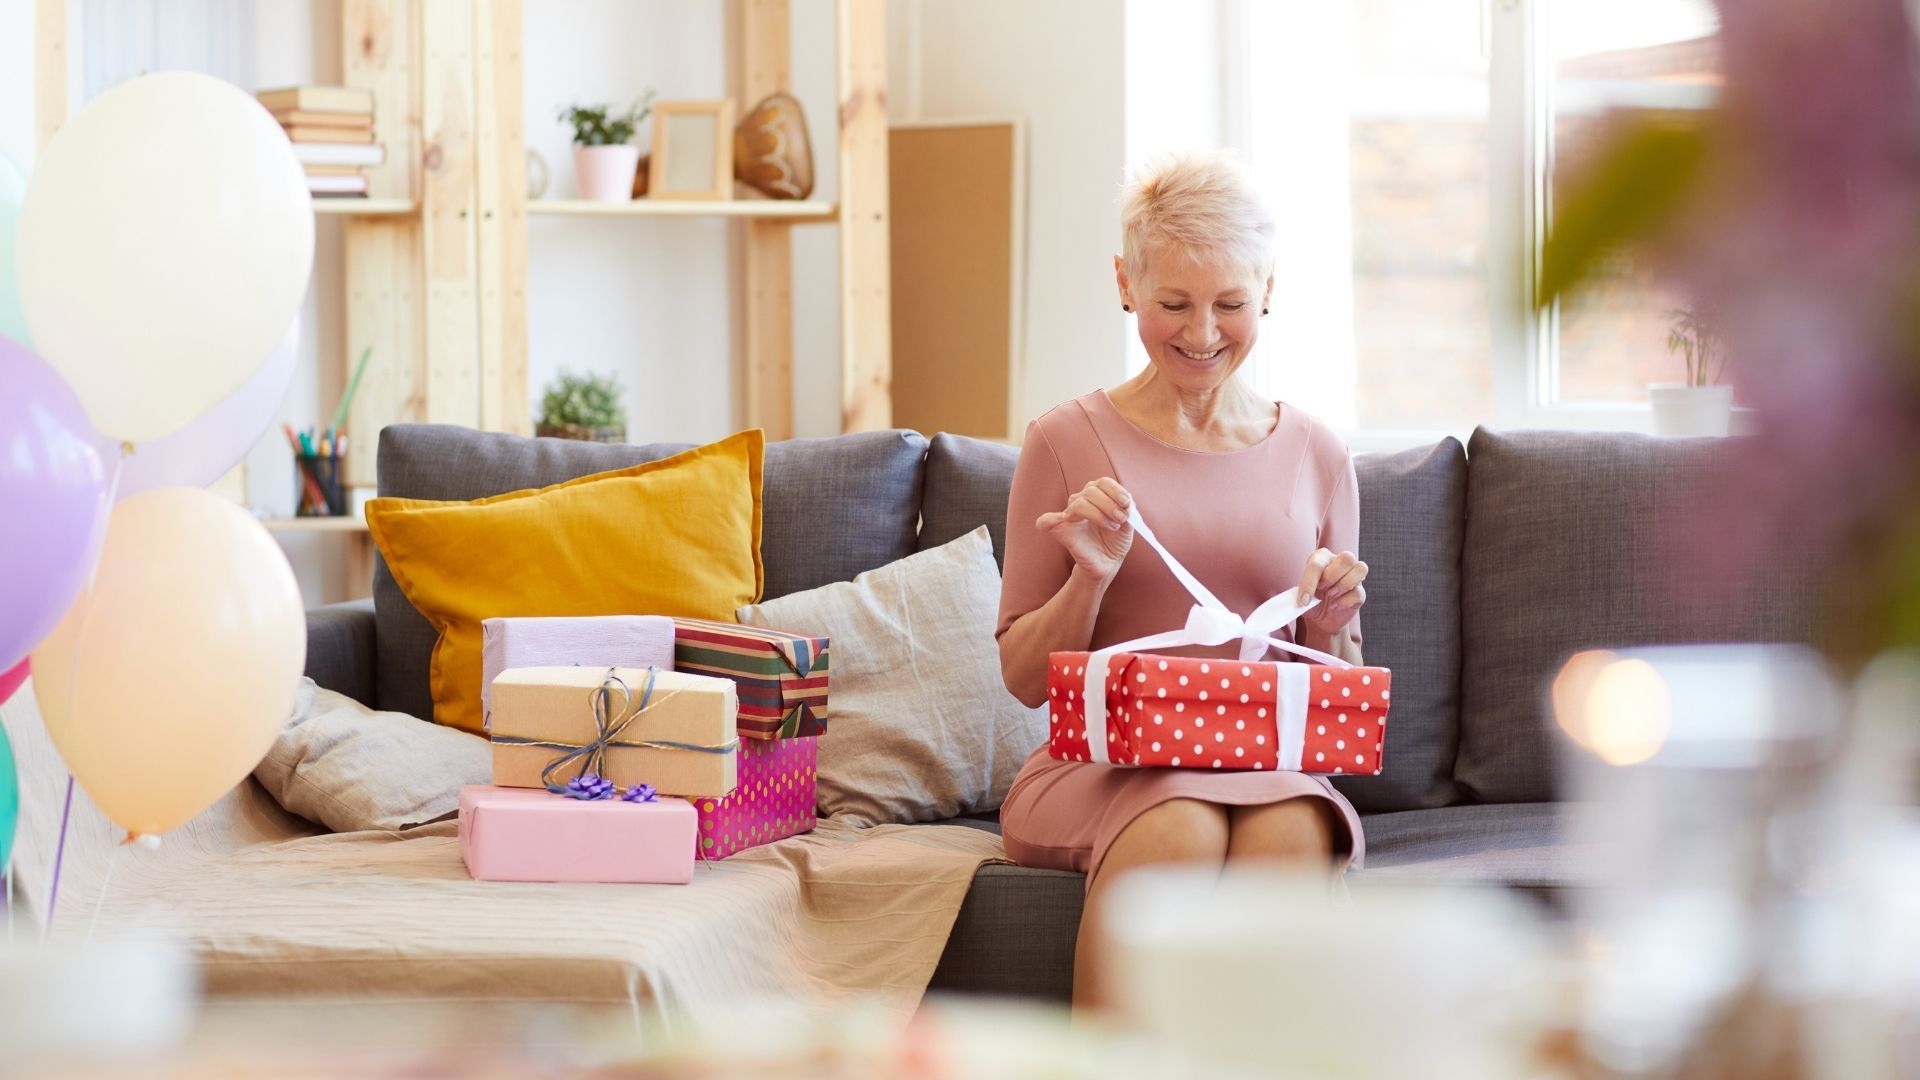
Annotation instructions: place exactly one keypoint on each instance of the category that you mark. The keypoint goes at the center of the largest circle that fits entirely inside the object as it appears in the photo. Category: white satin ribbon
(1210, 622)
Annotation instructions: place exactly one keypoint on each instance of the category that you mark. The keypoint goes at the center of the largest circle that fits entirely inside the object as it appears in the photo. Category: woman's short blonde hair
(1202, 205)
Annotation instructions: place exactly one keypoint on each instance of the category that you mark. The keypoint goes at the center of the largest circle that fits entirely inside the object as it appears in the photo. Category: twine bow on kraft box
(1125, 705)
(629, 726)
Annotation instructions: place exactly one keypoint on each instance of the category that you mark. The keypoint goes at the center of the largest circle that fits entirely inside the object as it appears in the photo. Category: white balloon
(165, 244)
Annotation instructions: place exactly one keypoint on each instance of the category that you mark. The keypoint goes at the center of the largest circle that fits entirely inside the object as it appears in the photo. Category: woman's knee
(1297, 829)
(1179, 830)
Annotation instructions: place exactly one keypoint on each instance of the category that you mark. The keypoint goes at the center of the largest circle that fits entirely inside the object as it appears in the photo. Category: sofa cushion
(350, 768)
(1521, 845)
(833, 508)
(967, 484)
(1578, 540)
(1411, 505)
(922, 727)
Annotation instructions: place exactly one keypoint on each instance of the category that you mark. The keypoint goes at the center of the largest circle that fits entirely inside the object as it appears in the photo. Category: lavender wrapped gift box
(601, 641)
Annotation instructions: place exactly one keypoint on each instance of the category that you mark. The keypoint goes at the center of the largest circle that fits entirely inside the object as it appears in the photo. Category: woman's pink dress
(1243, 521)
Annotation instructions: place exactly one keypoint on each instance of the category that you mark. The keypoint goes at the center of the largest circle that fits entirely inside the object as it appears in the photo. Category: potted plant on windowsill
(1698, 406)
(585, 407)
(604, 157)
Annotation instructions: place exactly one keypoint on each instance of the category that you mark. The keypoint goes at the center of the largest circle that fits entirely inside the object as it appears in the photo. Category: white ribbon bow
(1210, 622)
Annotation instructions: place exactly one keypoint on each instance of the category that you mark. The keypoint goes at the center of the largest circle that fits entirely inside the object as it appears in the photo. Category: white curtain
(125, 38)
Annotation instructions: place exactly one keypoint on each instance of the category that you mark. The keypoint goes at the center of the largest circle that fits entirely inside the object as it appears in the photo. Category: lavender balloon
(216, 440)
(52, 500)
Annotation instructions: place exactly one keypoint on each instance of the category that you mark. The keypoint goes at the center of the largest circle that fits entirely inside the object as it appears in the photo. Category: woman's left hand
(1335, 580)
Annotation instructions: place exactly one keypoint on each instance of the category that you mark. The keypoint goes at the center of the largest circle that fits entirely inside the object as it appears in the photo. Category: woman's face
(1197, 322)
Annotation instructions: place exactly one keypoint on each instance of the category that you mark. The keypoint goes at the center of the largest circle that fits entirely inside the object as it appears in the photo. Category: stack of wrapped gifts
(331, 128)
(613, 761)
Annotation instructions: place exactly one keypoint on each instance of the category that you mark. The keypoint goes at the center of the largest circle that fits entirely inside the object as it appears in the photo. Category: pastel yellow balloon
(164, 245)
(165, 686)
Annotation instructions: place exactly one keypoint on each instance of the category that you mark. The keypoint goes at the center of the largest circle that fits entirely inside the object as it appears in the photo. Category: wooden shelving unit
(796, 212)
(365, 207)
(356, 536)
(435, 257)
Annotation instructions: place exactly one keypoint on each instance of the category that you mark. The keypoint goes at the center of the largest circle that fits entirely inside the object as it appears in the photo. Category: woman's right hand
(1093, 528)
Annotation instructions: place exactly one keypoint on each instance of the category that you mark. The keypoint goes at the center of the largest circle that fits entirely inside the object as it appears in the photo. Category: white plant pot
(606, 172)
(1679, 409)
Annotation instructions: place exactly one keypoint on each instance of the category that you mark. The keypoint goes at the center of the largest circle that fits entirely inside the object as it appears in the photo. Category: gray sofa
(1489, 564)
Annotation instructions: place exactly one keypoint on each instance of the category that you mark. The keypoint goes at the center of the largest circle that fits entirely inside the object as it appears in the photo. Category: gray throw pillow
(923, 728)
(351, 768)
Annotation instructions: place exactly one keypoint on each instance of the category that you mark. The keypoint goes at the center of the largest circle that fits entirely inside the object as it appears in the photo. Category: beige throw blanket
(276, 907)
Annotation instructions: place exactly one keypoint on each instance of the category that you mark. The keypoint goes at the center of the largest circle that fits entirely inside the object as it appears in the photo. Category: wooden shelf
(342, 524)
(789, 210)
(350, 207)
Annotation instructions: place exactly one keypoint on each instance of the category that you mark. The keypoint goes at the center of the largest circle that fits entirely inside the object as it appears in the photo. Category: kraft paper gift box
(551, 724)
(584, 641)
(1125, 705)
(1188, 713)
(517, 834)
(781, 676)
(775, 799)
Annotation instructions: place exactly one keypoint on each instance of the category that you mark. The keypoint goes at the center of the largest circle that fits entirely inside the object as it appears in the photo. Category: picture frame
(692, 150)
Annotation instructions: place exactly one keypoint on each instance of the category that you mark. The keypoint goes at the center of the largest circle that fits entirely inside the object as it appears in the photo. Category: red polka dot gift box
(1126, 705)
(1188, 713)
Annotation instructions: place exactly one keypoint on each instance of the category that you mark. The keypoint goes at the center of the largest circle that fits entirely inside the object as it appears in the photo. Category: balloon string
(105, 883)
(59, 857)
(73, 682)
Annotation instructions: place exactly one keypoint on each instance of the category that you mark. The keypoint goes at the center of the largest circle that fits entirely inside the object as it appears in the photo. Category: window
(1368, 131)
(1408, 148)
(1607, 342)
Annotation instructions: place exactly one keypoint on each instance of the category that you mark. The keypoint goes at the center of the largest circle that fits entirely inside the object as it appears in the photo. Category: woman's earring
(1264, 311)
(1127, 308)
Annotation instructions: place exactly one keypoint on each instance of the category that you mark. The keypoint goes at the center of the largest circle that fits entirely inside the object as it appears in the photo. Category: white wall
(648, 299)
(1058, 65)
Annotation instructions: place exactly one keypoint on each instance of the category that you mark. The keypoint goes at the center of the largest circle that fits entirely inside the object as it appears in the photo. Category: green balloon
(9, 799)
(13, 192)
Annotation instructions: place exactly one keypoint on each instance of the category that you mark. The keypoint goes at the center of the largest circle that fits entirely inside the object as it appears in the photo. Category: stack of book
(332, 132)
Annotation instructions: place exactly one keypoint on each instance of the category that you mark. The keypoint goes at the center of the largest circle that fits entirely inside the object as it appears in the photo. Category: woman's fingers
(1096, 505)
(1317, 564)
(1339, 587)
(1348, 602)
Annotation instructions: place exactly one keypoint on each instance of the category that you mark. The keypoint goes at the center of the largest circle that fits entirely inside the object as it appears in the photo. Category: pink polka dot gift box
(1127, 705)
(775, 799)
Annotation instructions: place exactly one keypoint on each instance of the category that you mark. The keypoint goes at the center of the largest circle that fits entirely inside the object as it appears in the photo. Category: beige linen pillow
(923, 727)
(350, 768)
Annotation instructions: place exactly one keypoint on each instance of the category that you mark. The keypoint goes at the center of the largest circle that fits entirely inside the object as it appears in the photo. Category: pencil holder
(318, 488)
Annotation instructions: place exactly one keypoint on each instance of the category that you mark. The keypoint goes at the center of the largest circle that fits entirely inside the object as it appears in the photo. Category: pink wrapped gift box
(521, 834)
(635, 641)
(775, 799)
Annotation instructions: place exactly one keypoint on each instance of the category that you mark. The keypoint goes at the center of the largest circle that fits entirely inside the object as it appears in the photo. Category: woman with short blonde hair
(1253, 496)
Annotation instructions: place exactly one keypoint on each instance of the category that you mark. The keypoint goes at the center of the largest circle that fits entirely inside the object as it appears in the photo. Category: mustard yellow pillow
(678, 536)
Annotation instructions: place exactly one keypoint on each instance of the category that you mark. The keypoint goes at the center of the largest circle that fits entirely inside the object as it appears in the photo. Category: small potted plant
(604, 156)
(1698, 406)
(586, 407)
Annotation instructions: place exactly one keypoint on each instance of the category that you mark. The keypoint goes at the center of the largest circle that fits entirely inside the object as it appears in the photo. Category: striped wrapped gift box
(781, 676)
